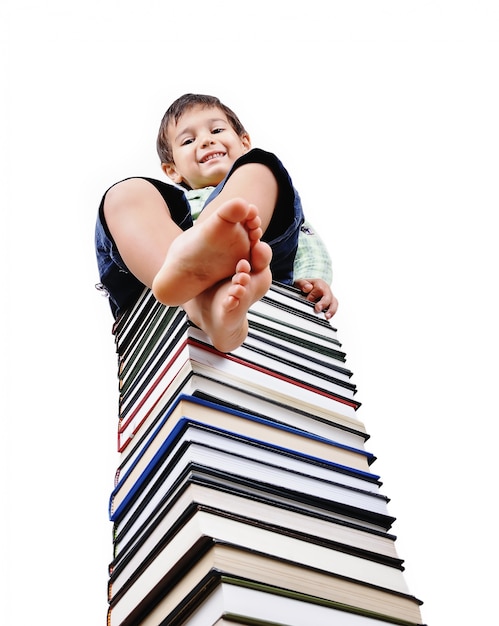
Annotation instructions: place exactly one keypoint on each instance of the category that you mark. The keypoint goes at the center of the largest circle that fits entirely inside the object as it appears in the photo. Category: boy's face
(204, 147)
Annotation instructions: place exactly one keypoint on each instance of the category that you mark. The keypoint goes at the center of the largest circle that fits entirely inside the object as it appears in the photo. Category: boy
(245, 236)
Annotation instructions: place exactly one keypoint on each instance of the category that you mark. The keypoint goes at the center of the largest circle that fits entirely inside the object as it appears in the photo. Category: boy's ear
(171, 171)
(246, 141)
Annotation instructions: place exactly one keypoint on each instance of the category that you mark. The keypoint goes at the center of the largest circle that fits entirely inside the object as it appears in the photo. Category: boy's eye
(186, 142)
(217, 130)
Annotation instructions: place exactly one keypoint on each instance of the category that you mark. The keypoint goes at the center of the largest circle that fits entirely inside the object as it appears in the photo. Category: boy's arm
(312, 271)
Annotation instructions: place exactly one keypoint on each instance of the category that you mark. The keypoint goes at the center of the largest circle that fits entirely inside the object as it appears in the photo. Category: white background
(386, 115)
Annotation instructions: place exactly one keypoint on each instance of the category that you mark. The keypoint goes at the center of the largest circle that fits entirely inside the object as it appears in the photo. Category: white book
(279, 384)
(300, 357)
(294, 330)
(204, 490)
(258, 430)
(211, 449)
(269, 315)
(251, 537)
(130, 323)
(135, 384)
(128, 533)
(227, 563)
(281, 302)
(300, 368)
(153, 399)
(157, 327)
(145, 542)
(258, 381)
(260, 607)
(292, 298)
(203, 383)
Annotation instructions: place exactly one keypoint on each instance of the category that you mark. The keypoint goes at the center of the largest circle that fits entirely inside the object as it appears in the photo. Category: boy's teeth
(212, 156)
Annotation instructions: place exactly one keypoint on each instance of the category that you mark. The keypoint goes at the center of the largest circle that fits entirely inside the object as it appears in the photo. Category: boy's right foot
(208, 252)
(221, 311)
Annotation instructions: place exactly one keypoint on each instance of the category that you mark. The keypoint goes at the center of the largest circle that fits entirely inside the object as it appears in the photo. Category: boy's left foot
(221, 311)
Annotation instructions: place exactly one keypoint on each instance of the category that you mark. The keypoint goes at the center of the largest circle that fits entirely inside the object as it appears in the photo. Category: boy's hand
(318, 291)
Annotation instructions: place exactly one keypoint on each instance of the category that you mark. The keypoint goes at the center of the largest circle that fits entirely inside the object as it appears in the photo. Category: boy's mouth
(212, 155)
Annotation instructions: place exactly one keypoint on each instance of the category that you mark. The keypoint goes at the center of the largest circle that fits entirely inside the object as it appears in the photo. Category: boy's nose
(207, 140)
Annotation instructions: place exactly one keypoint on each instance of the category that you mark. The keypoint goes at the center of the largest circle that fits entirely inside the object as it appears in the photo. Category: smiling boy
(245, 236)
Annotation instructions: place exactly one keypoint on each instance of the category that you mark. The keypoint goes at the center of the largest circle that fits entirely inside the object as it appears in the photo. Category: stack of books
(244, 492)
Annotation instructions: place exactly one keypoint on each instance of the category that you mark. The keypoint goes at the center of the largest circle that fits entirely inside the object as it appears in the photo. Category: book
(263, 324)
(207, 527)
(154, 345)
(241, 453)
(224, 562)
(127, 564)
(200, 381)
(264, 512)
(222, 599)
(297, 314)
(292, 298)
(258, 429)
(131, 322)
(151, 397)
(206, 487)
(299, 368)
(301, 354)
(270, 377)
(245, 375)
(247, 603)
(140, 378)
(244, 492)
(131, 529)
(289, 333)
(280, 301)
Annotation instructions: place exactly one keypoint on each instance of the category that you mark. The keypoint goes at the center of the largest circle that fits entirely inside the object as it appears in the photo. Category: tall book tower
(244, 492)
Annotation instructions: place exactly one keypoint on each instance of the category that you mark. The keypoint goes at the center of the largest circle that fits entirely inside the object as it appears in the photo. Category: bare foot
(207, 253)
(221, 310)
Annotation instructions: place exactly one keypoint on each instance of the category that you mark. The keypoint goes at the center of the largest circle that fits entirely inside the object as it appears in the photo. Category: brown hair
(175, 111)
